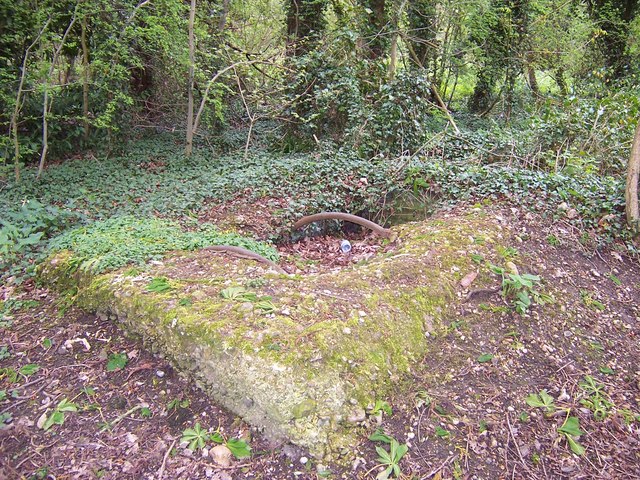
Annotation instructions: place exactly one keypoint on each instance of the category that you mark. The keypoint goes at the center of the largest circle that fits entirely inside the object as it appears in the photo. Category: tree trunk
(422, 30)
(222, 21)
(85, 78)
(560, 81)
(614, 17)
(393, 57)
(13, 123)
(305, 24)
(374, 30)
(631, 192)
(192, 61)
(46, 105)
(533, 80)
(45, 130)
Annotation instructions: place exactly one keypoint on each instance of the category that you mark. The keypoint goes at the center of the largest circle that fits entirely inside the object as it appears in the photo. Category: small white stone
(346, 330)
(160, 373)
(303, 460)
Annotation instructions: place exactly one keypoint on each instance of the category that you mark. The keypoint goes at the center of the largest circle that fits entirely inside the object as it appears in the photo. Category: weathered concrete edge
(314, 405)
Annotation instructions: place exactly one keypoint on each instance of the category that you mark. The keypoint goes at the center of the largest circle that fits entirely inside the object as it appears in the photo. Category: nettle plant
(521, 290)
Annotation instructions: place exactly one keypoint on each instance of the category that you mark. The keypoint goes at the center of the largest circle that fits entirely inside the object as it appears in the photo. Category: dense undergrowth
(154, 179)
(122, 240)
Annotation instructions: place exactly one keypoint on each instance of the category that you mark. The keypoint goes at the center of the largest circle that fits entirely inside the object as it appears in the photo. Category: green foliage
(396, 117)
(126, 42)
(587, 134)
(236, 293)
(597, 400)
(117, 361)
(29, 369)
(389, 458)
(521, 289)
(4, 352)
(92, 189)
(541, 400)
(178, 403)
(589, 301)
(382, 406)
(598, 200)
(23, 229)
(57, 417)
(196, 437)
(239, 448)
(571, 428)
(119, 241)
(9, 374)
(380, 436)
(241, 294)
(485, 357)
(5, 419)
(159, 285)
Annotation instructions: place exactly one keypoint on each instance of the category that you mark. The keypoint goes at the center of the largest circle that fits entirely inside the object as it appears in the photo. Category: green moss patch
(299, 356)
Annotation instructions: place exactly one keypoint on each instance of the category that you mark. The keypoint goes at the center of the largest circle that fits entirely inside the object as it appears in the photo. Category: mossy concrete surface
(305, 365)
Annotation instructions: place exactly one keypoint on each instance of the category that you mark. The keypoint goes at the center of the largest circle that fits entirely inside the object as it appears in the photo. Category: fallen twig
(515, 442)
(436, 470)
(244, 253)
(164, 460)
(110, 425)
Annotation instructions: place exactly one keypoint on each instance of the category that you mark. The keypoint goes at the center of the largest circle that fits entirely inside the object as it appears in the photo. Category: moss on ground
(333, 344)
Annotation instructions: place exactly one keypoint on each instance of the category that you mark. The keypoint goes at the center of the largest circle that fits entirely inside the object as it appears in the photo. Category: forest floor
(475, 408)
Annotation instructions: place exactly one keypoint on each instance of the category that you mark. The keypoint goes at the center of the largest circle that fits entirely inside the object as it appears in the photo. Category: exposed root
(244, 253)
(347, 217)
